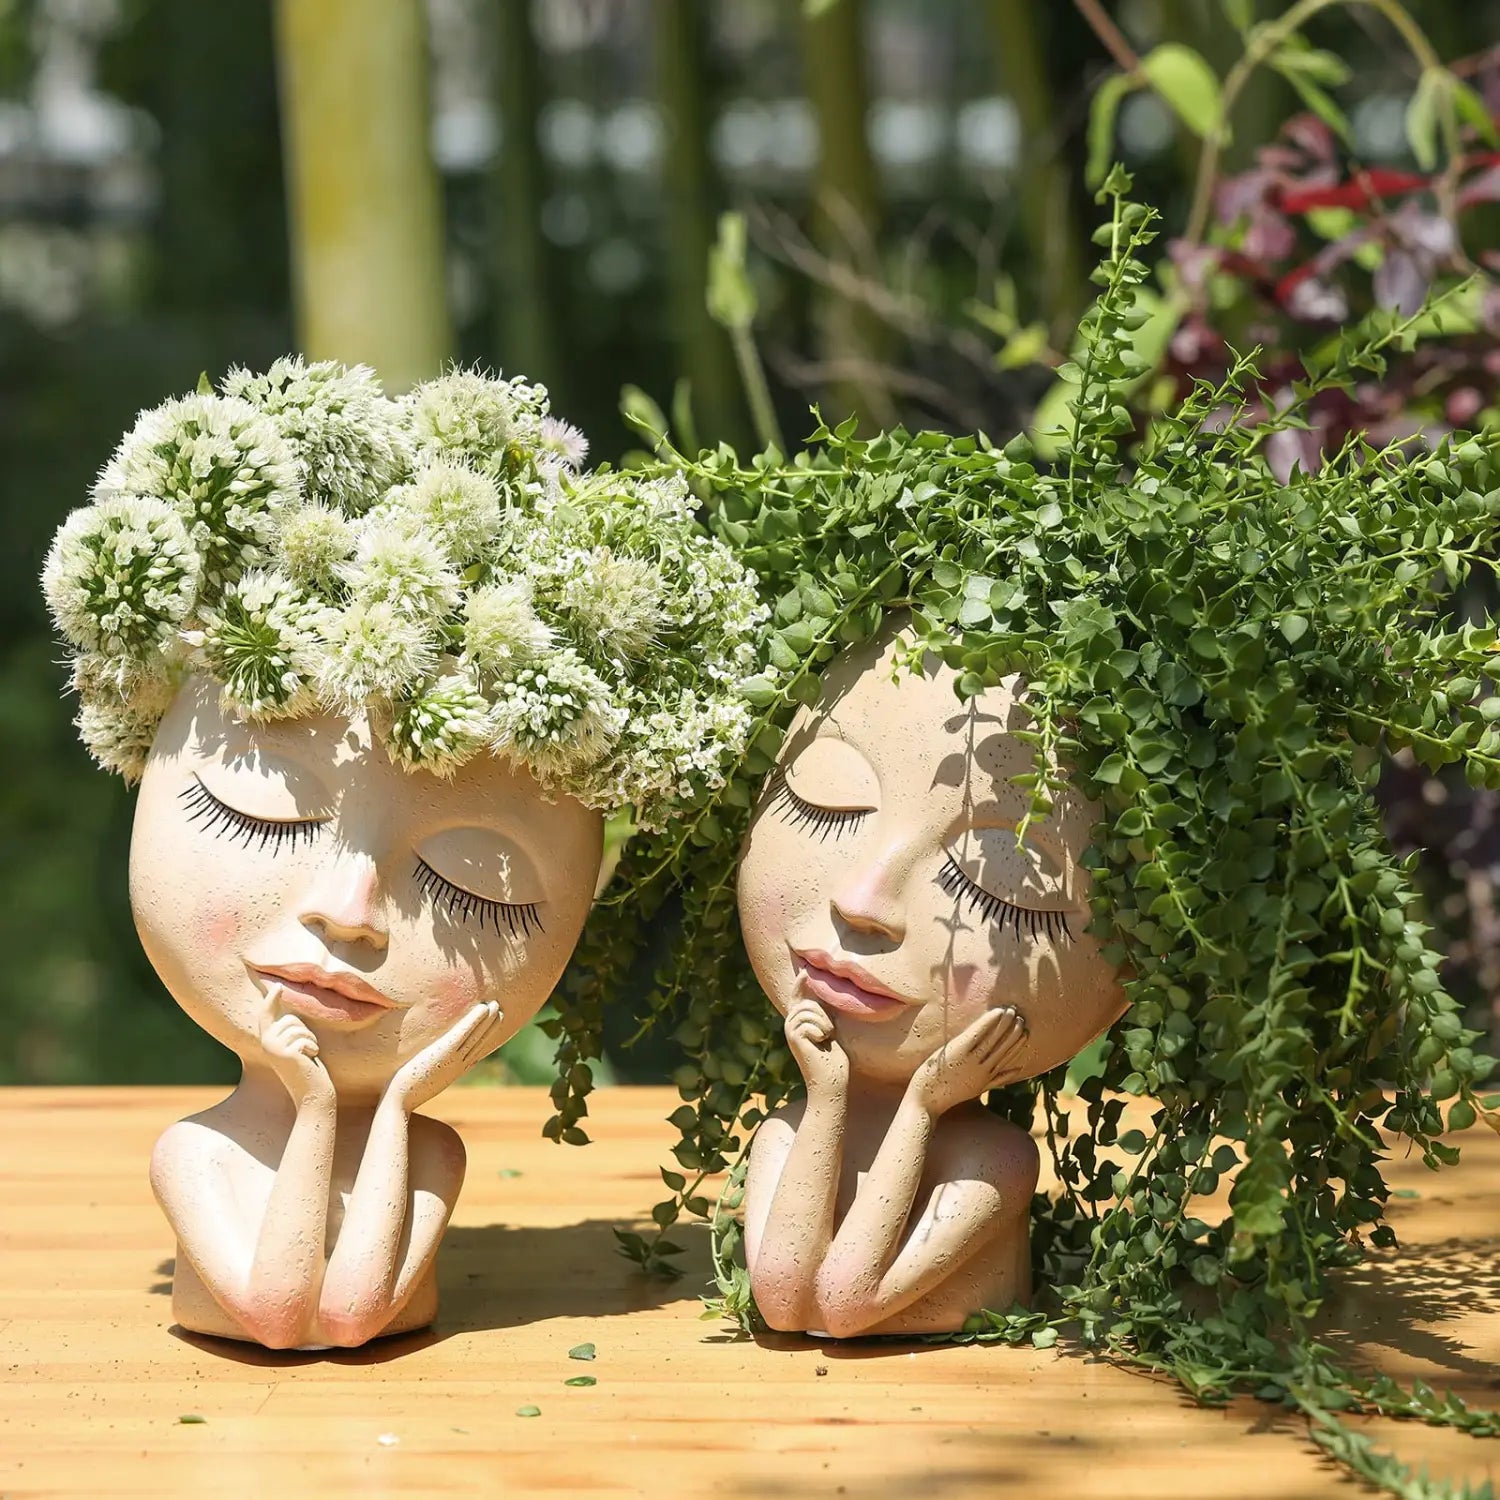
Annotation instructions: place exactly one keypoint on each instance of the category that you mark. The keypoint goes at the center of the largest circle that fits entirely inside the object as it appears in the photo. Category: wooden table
(94, 1382)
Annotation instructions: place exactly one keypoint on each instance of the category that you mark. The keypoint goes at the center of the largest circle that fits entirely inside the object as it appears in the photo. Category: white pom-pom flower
(501, 629)
(557, 717)
(470, 417)
(375, 650)
(121, 575)
(616, 602)
(349, 441)
(223, 466)
(395, 562)
(312, 543)
(441, 726)
(263, 642)
(438, 563)
(455, 504)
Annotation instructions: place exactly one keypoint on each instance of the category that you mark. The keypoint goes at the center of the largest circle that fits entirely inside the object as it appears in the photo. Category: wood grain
(93, 1382)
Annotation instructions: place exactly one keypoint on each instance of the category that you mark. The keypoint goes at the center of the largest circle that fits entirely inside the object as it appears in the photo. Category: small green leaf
(528, 1411)
(581, 1351)
(1044, 1338)
(1103, 111)
(1472, 110)
(1293, 627)
(1422, 116)
(581, 1380)
(1185, 80)
(191, 1419)
(642, 413)
(731, 298)
(205, 388)
(758, 692)
(1318, 102)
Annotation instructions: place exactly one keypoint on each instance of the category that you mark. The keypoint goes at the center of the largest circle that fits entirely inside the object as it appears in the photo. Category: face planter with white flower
(920, 957)
(381, 667)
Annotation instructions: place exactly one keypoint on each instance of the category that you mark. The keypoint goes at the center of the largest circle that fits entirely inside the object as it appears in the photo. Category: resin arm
(269, 1284)
(876, 1267)
(408, 1181)
(792, 1183)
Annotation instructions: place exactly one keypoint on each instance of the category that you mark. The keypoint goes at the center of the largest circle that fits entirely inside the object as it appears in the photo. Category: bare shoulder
(193, 1142)
(975, 1143)
(774, 1136)
(438, 1158)
(781, 1125)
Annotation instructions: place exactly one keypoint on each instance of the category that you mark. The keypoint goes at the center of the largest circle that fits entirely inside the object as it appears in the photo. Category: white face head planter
(381, 667)
(920, 958)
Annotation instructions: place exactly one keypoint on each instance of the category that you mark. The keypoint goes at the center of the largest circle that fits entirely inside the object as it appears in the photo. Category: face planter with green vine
(1214, 661)
(921, 956)
(381, 667)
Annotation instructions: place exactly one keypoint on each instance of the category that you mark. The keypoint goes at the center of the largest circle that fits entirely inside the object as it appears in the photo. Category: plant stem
(757, 391)
(1113, 38)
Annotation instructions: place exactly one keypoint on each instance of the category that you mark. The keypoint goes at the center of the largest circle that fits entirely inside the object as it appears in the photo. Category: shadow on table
(495, 1276)
(1399, 1299)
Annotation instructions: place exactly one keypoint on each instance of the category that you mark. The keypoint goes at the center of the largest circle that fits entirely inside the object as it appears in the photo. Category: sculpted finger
(487, 1038)
(466, 1028)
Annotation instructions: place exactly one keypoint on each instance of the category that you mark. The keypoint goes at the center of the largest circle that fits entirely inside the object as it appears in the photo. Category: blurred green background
(186, 185)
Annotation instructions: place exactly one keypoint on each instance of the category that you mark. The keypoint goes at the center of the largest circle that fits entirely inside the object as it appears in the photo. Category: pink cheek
(456, 991)
(970, 984)
(219, 929)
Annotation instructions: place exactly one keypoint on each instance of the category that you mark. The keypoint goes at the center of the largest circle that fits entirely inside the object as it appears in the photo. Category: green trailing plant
(1221, 657)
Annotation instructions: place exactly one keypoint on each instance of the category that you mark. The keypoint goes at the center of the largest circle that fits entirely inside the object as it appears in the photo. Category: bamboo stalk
(364, 200)
(526, 323)
(847, 196)
(691, 213)
(1048, 221)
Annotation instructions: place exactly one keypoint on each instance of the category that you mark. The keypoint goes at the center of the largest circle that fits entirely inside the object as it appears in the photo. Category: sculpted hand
(979, 1058)
(473, 1036)
(809, 1033)
(292, 1051)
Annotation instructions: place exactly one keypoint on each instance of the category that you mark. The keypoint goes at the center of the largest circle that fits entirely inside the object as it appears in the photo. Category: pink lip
(324, 994)
(846, 987)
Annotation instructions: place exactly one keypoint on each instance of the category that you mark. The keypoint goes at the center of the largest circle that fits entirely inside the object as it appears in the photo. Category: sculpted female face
(292, 866)
(882, 877)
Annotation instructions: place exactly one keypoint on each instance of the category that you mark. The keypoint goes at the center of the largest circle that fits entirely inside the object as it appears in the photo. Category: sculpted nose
(345, 905)
(872, 899)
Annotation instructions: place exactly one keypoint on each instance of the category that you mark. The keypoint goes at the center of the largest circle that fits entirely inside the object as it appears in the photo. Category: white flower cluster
(440, 561)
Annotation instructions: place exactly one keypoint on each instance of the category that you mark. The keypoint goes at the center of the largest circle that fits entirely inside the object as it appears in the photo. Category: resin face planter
(920, 958)
(360, 935)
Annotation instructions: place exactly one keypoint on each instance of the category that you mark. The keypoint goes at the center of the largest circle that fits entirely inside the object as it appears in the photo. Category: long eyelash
(219, 818)
(1052, 924)
(820, 820)
(520, 918)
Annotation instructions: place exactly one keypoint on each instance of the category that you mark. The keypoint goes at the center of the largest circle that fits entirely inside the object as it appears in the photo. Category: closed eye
(1037, 922)
(221, 819)
(520, 918)
(803, 814)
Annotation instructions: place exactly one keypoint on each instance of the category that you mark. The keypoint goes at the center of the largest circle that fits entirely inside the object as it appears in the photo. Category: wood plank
(93, 1382)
